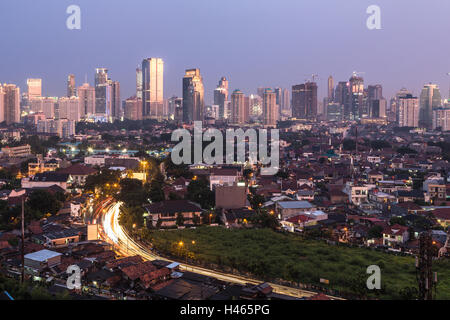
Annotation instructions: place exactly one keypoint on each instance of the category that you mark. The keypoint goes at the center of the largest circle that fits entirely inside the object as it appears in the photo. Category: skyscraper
(237, 107)
(408, 111)
(139, 83)
(441, 119)
(103, 92)
(286, 102)
(221, 96)
(71, 89)
(304, 100)
(2, 104)
(330, 89)
(34, 88)
(355, 105)
(270, 108)
(11, 103)
(116, 104)
(193, 96)
(69, 108)
(430, 99)
(133, 109)
(86, 93)
(152, 86)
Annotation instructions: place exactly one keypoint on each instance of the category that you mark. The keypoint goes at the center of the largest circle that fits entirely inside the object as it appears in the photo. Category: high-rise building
(139, 87)
(221, 96)
(175, 105)
(341, 93)
(69, 108)
(285, 101)
(11, 103)
(71, 89)
(270, 108)
(133, 109)
(116, 104)
(441, 119)
(334, 111)
(255, 105)
(49, 107)
(2, 104)
(304, 101)
(103, 93)
(408, 111)
(64, 128)
(330, 89)
(34, 88)
(86, 93)
(355, 108)
(193, 96)
(153, 88)
(237, 107)
(430, 99)
(392, 112)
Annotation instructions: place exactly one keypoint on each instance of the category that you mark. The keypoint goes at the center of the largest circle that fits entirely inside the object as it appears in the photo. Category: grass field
(270, 255)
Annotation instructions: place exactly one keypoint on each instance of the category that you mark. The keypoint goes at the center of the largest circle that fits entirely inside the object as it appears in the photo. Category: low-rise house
(395, 235)
(223, 176)
(442, 216)
(166, 212)
(47, 179)
(37, 261)
(287, 209)
(79, 173)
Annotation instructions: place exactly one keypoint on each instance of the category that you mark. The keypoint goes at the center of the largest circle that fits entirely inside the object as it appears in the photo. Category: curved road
(112, 232)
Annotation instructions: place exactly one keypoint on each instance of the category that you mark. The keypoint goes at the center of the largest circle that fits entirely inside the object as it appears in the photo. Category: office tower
(270, 108)
(278, 94)
(116, 104)
(221, 96)
(286, 102)
(71, 89)
(408, 111)
(49, 106)
(103, 93)
(341, 93)
(86, 93)
(246, 109)
(255, 105)
(34, 88)
(354, 107)
(441, 119)
(139, 87)
(430, 99)
(69, 108)
(392, 112)
(175, 104)
(260, 91)
(2, 104)
(11, 103)
(193, 96)
(330, 96)
(153, 85)
(237, 107)
(133, 108)
(374, 97)
(36, 104)
(377, 108)
(304, 100)
(333, 111)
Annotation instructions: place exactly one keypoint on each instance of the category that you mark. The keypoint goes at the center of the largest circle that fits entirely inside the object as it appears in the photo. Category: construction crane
(357, 73)
(313, 77)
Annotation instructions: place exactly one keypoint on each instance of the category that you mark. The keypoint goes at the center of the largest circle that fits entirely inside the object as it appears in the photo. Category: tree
(198, 191)
(132, 192)
(375, 232)
(44, 202)
(180, 219)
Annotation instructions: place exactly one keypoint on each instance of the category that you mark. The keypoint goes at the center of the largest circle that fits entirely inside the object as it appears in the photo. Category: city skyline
(379, 53)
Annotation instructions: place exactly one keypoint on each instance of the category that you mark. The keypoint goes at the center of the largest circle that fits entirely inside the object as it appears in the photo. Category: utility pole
(23, 240)
(424, 267)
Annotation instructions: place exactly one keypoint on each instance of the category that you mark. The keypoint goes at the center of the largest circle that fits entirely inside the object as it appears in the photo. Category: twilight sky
(252, 42)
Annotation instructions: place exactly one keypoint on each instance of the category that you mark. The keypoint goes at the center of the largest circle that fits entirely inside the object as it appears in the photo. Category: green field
(269, 255)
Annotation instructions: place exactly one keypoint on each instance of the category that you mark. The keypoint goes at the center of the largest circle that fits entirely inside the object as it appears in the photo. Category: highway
(112, 232)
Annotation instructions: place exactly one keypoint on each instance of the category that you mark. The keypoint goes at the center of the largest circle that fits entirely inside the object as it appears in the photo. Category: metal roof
(295, 204)
(42, 255)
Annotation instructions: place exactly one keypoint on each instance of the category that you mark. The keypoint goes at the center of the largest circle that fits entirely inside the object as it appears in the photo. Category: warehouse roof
(42, 255)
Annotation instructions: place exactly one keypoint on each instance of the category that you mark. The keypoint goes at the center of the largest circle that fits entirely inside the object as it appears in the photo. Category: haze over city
(252, 43)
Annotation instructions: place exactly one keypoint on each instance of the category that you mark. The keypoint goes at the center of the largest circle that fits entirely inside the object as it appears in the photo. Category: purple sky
(251, 42)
